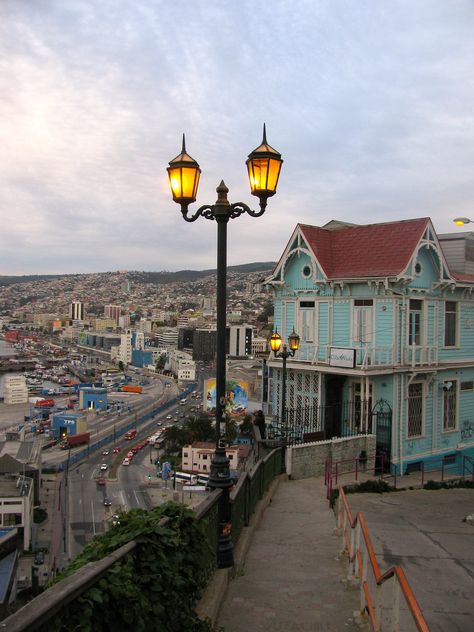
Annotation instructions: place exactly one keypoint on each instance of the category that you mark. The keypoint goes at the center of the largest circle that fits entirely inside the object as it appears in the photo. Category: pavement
(424, 532)
(293, 578)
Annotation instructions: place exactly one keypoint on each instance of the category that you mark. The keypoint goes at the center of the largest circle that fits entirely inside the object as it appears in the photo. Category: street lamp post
(263, 166)
(287, 351)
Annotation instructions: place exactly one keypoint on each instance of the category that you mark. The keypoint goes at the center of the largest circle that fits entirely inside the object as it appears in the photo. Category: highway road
(83, 513)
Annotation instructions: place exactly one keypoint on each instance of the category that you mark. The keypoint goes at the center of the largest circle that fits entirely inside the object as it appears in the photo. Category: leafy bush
(153, 588)
(457, 484)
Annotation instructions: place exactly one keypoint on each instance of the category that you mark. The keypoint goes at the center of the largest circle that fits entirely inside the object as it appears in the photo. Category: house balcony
(370, 357)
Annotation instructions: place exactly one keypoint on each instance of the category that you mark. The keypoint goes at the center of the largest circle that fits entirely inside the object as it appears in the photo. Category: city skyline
(368, 103)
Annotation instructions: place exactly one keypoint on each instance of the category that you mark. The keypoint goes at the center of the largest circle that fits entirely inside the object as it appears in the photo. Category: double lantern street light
(263, 165)
(287, 351)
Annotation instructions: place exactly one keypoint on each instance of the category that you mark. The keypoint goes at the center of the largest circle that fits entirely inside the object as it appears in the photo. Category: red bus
(131, 434)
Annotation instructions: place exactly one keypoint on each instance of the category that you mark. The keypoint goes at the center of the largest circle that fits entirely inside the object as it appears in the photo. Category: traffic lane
(86, 507)
(132, 480)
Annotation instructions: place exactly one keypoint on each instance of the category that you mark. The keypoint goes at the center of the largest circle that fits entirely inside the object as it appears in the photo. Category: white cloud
(369, 103)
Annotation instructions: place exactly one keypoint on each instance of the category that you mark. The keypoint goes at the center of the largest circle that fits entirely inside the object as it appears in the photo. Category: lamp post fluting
(263, 166)
(287, 351)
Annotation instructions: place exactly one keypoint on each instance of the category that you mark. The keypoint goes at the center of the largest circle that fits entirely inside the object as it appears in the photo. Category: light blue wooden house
(387, 341)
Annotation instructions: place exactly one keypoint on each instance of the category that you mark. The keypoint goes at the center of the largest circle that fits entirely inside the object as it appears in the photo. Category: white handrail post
(395, 623)
(378, 607)
(357, 549)
(363, 578)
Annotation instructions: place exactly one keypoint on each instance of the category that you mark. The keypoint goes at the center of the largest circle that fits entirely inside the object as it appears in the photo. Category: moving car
(169, 416)
(107, 502)
(105, 452)
(126, 461)
(103, 467)
(116, 450)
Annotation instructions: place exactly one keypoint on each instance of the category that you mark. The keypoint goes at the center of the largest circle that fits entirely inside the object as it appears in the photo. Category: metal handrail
(468, 460)
(352, 528)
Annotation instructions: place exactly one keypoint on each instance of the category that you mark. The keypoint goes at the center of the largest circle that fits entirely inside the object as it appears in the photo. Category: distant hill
(190, 275)
(144, 277)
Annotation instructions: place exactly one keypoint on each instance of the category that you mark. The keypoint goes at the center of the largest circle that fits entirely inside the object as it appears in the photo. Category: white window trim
(315, 318)
(456, 385)
(423, 324)
(423, 413)
(457, 344)
(354, 321)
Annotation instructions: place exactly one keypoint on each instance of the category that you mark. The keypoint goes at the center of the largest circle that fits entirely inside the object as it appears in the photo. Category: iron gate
(382, 424)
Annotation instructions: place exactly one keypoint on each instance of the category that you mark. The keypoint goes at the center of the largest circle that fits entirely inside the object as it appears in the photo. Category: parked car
(169, 416)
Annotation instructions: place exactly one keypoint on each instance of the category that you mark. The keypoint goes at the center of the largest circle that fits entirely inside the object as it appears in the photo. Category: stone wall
(309, 459)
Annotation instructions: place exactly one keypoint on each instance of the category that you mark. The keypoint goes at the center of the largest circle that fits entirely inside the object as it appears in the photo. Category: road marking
(93, 518)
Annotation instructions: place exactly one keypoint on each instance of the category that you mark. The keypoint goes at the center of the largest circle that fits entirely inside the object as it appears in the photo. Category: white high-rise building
(167, 338)
(76, 310)
(125, 352)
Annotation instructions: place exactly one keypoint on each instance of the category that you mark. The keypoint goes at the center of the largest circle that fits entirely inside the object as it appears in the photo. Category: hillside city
(40, 303)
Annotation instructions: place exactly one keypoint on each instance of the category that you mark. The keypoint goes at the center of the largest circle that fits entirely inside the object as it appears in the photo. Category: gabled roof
(365, 251)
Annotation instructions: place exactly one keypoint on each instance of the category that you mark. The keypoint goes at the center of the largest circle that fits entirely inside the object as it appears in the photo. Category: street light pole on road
(263, 166)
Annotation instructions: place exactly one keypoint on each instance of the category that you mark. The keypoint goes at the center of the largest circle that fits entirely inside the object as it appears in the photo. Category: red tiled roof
(363, 251)
(460, 276)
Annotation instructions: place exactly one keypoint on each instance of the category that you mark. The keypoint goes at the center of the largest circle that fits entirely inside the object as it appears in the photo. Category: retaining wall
(309, 459)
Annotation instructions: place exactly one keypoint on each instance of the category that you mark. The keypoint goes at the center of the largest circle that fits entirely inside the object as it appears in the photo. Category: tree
(246, 426)
(230, 430)
(160, 365)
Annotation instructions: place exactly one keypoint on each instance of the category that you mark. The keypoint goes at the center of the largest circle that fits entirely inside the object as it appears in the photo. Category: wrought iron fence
(316, 423)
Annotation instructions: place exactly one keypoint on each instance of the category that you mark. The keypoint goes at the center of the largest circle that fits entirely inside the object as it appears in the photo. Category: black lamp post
(263, 166)
(287, 351)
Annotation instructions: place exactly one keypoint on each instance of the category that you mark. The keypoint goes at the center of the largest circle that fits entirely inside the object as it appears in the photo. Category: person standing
(260, 422)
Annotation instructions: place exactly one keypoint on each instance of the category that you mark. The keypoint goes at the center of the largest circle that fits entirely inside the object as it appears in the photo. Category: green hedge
(154, 588)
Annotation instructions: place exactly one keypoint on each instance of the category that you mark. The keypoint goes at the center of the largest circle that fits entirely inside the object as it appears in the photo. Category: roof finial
(264, 141)
(183, 150)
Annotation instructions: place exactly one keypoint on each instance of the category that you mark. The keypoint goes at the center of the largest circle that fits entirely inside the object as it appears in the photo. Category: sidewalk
(293, 578)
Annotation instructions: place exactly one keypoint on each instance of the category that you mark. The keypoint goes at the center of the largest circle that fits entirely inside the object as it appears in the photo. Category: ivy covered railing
(148, 572)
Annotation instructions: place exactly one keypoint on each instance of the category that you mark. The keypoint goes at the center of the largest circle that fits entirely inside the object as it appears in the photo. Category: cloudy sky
(370, 103)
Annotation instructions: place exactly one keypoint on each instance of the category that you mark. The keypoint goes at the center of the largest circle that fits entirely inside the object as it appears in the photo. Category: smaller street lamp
(287, 351)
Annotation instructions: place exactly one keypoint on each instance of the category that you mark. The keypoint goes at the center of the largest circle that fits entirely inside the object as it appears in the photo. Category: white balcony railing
(371, 357)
